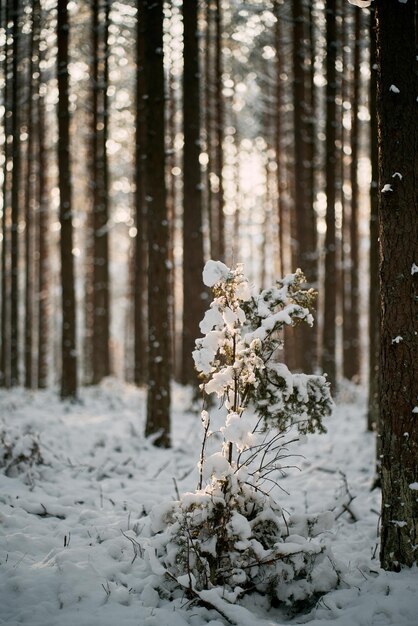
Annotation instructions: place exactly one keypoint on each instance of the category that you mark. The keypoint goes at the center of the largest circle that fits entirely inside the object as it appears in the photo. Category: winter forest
(208, 312)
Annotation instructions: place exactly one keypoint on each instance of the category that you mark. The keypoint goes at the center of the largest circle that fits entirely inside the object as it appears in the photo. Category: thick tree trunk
(193, 292)
(398, 237)
(329, 330)
(158, 401)
(68, 340)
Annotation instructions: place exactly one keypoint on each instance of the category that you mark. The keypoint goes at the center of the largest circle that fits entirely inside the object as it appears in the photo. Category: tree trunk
(101, 313)
(219, 129)
(140, 251)
(374, 317)
(193, 291)
(5, 332)
(158, 401)
(352, 351)
(29, 218)
(16, 157)
(329, 334)
(68, 338)
(398, 237)
(43, 220)
(304, 250)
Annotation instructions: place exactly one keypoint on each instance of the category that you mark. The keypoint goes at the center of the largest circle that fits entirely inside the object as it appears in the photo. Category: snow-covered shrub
(230, 534)
(19, 452)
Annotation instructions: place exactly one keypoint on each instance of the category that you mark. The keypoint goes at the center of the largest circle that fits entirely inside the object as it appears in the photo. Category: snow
(414, 269)
(213, 272)
(73, 532)
(363, 4)
(397, 339)
(387, 188)
(394, 89)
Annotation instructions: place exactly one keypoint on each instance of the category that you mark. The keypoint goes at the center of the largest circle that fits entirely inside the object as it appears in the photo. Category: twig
(176, 489)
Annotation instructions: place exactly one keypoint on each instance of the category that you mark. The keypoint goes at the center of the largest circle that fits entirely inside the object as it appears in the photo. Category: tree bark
(101, 308)
(398, 238)
(29, 217)
(352, 351)
(158, 400)
(374, 316)
(329, 331)
(5, 332)
(304, 250)
(68, 338)
(193, 292)
(140, 251)
(15, 203)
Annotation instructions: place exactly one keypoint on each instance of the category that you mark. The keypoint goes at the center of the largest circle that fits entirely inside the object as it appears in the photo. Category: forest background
(140, 139)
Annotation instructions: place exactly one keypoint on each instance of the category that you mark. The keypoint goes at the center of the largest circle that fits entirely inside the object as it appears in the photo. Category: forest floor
(69, 527)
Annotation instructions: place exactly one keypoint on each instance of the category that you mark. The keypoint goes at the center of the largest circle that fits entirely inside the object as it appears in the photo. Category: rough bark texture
(304, 250)
(68, 341)
(158, 402)
(374, 311)
(329, 334)
(398, 238)
(193, 291)
(140, 251)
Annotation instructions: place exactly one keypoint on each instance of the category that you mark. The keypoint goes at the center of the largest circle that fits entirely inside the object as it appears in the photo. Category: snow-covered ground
(69, 529)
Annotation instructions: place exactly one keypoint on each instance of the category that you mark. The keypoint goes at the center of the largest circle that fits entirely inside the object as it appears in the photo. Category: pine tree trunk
(329, 331)
(352, 352)
(140, 252)
(219, 129)
(41, 202)
(158, 401)
(29, 219)
(193, 292)
(15, 212)
(398, 238)
(5, 333)
(374, 317)
(68, 339)
(101, 312)
(278, 135)
(304, 251)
